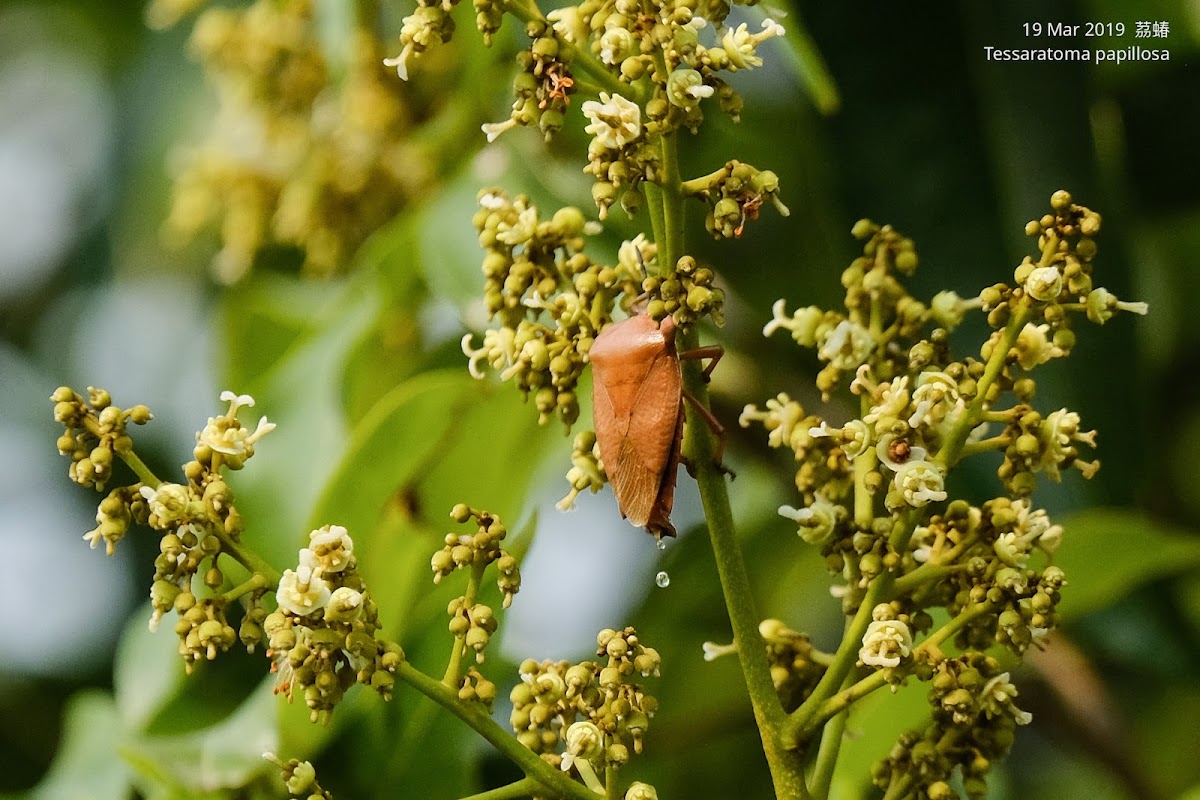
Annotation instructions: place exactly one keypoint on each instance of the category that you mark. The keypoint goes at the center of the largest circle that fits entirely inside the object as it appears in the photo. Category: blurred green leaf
(226, 755)
(148, 670)
(268, 315)
(87, 766)
(300, 391)
(1109, 552)
(875, 724)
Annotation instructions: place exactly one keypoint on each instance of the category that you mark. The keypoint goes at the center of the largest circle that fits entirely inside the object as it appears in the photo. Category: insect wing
(637, 391)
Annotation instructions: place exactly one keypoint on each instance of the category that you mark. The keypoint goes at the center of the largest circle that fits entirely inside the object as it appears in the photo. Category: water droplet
(661, 544)
(662, 580)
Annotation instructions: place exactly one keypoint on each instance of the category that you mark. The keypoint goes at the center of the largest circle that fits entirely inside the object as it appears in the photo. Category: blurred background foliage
(382, 430)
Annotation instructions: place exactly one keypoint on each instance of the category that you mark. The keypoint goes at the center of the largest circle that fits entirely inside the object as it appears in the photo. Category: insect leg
(715, 426)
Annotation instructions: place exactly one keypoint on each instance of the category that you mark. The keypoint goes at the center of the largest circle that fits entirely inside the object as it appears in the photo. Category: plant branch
(522, 788)
(253, 562)
(550, 781)
(454, 666)
(700, 448)
(827, 755)
(878, 679)
(951, 451)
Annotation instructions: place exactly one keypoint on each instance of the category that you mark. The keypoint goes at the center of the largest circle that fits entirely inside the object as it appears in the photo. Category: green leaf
(1107, 553)
(87, 766)
(222, 756)
(148, 670)
(437, 440)
(267, 315)
(875, 724)
(302, 393)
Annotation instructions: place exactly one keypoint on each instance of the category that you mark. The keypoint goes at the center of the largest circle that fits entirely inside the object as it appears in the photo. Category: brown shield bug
(637, 397)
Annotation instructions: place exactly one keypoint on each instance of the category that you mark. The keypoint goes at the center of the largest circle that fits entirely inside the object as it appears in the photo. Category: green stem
(898, 787)
(454, 666)
(522, 788)
(787, 770)
(839, 702)
(550, 781)
(951, 451)
(255, 582)
(245, 556)
(827, 755)
(844, 660)
(984, 446)
(140, 469)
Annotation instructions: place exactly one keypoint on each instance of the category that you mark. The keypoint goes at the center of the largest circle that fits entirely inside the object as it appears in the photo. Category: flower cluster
(552, 300)
(874, 489)
(592, 711)
(796, 665)
(471, 622)
(95, 433)
(973, 722)
(196, 520)
(653, 73)
(324, 635)
(299, 778)
(295, 159)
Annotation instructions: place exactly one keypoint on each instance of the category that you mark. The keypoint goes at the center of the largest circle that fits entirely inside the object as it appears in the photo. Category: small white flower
(935, 395)
(615, 44)
(168, 503)
(633, 253)
(894, 452)
(816, 523)
(345, 605)
(998, 698)
(1058, 431)
(400, 62)
(1102, 304)
(520, 230)
(331, 547)
(302, 592)
(1044, 284)
(892, 400)
(920, 483)
(1034, 346)
(584, 741)
(1012, 549)
(885, 643)
(741, 45)
(568, 25)
(713, 651)
(856, 438)
(781, 419)
(847, 346)
(492, 202)
(803, 323)
(615, 121)
(226, 435)
(921, 543)
(494, 129)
